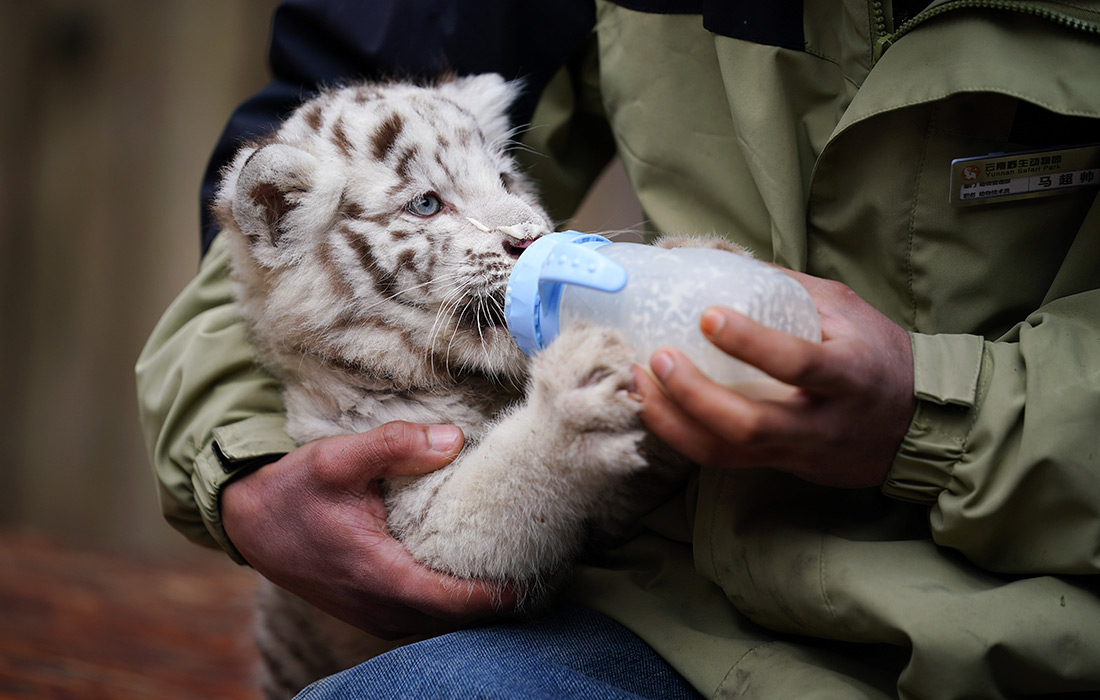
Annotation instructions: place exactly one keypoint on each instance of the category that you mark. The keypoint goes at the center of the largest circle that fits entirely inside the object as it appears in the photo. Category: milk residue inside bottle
(654, 297)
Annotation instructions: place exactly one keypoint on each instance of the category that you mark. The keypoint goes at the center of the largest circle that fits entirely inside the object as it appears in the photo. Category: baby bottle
(654, 297)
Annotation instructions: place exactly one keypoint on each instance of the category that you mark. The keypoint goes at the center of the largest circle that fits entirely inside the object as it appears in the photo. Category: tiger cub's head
(377, 227)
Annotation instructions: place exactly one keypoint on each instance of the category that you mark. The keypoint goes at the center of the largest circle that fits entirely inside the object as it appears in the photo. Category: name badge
(1004, 177)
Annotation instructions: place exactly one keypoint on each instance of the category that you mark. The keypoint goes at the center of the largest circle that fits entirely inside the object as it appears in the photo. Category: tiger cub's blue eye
(425, 205)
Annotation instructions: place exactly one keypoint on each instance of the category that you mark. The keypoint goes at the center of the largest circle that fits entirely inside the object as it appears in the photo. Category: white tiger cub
(372, 236)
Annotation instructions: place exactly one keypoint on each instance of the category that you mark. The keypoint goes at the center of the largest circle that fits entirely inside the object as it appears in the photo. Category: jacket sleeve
(1004, 445)
(209, 412)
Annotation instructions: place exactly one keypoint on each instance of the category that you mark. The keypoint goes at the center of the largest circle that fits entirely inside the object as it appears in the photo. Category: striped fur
(371, 310)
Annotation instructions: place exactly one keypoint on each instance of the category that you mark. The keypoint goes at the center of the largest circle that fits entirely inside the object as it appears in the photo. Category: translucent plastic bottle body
(667, 292)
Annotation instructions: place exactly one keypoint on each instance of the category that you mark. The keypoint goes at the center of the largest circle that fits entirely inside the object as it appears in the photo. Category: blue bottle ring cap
(534, 289)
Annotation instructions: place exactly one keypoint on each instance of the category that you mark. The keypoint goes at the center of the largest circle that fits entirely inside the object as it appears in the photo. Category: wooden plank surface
(84, 625)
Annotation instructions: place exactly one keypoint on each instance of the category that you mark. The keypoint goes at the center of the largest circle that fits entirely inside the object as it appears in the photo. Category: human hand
(841, 425)
(314, 523)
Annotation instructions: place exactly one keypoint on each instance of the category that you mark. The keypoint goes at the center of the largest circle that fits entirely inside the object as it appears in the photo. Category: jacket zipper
(885, 40)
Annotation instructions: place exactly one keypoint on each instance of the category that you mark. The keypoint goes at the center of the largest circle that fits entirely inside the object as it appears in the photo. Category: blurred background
(109, 111)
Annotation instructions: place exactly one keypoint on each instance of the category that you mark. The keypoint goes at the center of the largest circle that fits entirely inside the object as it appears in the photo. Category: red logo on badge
(971, 173)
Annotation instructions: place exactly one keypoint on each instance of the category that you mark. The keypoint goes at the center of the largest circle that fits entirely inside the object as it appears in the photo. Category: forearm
(1015, 490)
(207, 409)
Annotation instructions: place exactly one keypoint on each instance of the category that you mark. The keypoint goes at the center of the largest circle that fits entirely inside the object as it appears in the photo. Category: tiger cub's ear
(487, 96)
(281, 198)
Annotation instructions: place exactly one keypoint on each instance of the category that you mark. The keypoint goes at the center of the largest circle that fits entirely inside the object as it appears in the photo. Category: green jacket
(973, 572)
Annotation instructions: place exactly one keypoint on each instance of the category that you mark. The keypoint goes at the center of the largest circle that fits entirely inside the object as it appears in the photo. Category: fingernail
(661, 362)
(444, 438)
(712, 321)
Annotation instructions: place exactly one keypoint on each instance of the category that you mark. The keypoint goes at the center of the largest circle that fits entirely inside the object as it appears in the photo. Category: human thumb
(405, 449)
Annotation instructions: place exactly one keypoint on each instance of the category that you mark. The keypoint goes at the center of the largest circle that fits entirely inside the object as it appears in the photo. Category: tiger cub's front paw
(586, 380)
(670, 241)
(584, 385)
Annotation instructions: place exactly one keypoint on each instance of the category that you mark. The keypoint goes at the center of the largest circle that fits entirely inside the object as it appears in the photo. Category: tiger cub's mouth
(514, 247)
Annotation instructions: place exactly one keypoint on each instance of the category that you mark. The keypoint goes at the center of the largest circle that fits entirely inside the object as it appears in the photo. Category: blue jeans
(570, 652)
